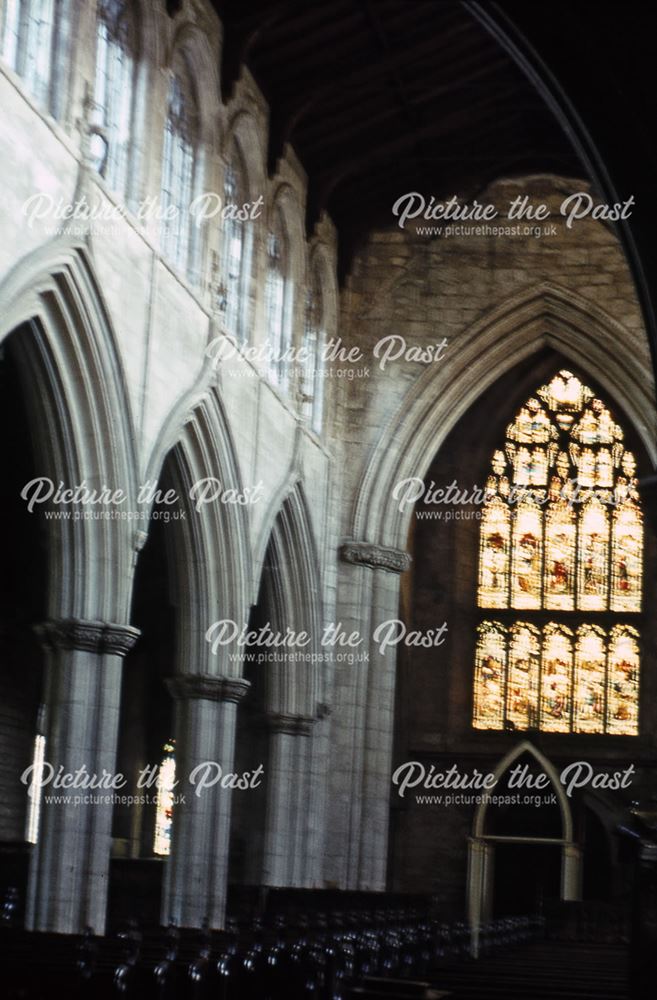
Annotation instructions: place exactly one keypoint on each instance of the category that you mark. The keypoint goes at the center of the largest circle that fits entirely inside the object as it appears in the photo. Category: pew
(381, 946)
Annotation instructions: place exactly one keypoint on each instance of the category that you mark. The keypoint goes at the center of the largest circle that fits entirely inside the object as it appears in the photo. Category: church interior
(328, 362)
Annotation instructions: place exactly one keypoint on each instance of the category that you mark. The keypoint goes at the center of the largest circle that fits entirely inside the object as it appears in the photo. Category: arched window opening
(166, 782)
(178, 171)
(113, 93)
(33, 817)
(278, 301)
(561, 541)
(29, 43)
(236, 249)
(312, 383)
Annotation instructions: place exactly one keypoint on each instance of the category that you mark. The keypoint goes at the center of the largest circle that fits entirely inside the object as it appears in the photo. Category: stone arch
(481, 847)
(241, 149)
(151, 44)
(320, 261)
(478, 826)
(210, 548)
(69, 366)
(281, 846)
(295, 600)
(319, 254)
(190, 43)
(284, 198)
(543, 316)
(243, 130)
(209, 569)
(75, 386)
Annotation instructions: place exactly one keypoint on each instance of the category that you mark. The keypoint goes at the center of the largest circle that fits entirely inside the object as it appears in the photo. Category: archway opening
(524, 814)
(23, 589)
(145, 729)
(248, 815)
(527, 878)
(597, 882)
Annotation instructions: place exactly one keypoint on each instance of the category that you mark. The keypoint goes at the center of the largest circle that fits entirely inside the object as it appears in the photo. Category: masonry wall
(570, 291)
(474, 296)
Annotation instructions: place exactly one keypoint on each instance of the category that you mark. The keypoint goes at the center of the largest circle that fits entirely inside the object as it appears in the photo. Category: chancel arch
(445, 581)
(545, 317)
(544, 327)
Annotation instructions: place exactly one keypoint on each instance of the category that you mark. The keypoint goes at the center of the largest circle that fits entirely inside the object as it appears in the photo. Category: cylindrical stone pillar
(196, 876)
(372, 714)
(69, 868)
(285, 829)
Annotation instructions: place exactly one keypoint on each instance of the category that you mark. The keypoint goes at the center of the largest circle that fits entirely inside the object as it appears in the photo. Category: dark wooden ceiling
(381, 97)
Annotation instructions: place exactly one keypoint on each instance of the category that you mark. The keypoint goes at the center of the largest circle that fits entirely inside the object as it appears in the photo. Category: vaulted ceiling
(380, 97)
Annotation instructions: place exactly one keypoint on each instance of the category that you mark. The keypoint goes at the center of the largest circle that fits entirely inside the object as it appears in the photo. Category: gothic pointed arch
(290, 568)
(67, 355)
(210, 548)
(504, 765)
(543, 316)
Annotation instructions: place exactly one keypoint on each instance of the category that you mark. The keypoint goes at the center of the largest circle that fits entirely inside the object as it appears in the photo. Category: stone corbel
(208, 687)
(88, 636)
(292, 725)
(375, 556)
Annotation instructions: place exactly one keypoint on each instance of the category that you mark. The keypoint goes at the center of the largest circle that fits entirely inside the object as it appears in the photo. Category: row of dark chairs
(295, 956)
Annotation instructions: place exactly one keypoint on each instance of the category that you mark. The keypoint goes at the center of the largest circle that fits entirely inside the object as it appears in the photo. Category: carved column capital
(292, 725)
(208, 687)
(88, 636)
(375, 556)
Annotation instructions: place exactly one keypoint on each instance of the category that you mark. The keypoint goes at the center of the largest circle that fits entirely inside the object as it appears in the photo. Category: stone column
(347, 733)
(374, 716)
(197, 869)
(314, 808)
(70, 865)
(284, 841)
(571, 873)
(481, 861)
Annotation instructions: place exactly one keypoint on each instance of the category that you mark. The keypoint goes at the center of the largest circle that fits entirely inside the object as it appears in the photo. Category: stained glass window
(312, 383)
(626, 559)
(561, 533)
(593, 563)
(494, 556)
(527, 555)
(560, 548)
(236, 248)
(523, 676)
(278, 306)
(164, 802)
(623, 679)
(34, 802)
(178, 171)
(29, 43)
(113, 91)
(556, 679)
(490, 676)
(590, 672)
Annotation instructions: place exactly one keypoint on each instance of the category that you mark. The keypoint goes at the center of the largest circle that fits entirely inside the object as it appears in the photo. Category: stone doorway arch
(482, 845)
